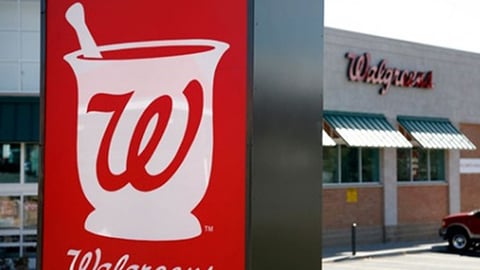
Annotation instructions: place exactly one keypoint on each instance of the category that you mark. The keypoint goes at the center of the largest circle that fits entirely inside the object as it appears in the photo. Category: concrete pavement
(377, 250)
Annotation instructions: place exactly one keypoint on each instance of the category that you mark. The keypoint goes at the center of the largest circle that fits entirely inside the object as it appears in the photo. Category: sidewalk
(377, 250)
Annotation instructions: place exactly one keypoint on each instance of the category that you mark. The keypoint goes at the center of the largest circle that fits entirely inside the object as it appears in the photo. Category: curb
(380, 253)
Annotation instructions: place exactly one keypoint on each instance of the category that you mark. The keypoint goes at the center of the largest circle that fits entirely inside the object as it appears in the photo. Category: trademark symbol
(208, 228)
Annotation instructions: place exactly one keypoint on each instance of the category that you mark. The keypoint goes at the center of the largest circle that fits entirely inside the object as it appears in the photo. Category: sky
(451, 24)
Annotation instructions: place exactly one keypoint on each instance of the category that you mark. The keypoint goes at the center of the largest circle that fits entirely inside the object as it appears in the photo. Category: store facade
(403, 135)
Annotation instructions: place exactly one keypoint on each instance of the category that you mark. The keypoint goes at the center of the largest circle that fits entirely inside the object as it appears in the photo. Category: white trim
(17, 189)
(352, 185)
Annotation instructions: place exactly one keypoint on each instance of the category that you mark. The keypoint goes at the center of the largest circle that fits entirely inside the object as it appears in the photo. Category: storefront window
(9, 248)
(404, 163)
(358, 165)
(6, 253)
(437, 165)
(30, 210)
(330, 165)
(350, 164)
(31, 163)
(419, 164)
(370, 161)
(9, 163)
(30, 251)
(9, 239)
(10, 212)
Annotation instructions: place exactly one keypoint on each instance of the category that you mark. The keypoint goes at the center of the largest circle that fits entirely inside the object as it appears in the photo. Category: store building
(403, 130)
(19, 127)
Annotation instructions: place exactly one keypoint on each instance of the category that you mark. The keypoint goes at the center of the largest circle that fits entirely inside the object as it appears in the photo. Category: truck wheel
(459, 241)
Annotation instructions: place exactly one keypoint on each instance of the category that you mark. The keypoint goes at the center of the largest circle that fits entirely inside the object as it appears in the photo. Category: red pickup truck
(462, 230)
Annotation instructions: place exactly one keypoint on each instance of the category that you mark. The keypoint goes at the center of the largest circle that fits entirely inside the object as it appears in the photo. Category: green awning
(365, 130)
(327, 140)
(435, 133)
(19, 118)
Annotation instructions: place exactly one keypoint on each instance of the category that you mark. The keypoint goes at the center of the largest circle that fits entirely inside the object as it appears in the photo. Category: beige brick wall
(340, 214)
(418, 204)
(472, 131)
(470, 192)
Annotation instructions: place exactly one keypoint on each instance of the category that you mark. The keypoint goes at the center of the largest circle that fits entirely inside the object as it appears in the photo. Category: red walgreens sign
(145, 135)
(360, 70)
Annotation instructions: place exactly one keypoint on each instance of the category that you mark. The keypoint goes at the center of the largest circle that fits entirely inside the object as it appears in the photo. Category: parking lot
(438, 258)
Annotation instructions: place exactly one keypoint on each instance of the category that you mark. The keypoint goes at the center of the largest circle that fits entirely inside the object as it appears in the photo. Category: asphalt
(337, 254)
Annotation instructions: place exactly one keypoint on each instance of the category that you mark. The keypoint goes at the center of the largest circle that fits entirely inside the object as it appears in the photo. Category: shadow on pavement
(472, 252)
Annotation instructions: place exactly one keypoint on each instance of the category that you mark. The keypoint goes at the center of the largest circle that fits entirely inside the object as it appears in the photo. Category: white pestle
(76, 17)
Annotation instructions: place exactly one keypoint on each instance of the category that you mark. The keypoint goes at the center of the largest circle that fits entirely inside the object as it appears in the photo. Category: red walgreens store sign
(145, 106)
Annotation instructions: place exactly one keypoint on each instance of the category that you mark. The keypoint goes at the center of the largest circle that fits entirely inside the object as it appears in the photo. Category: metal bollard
(354, 239)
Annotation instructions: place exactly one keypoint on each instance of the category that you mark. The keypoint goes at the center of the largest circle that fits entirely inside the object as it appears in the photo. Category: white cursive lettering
(93, 261)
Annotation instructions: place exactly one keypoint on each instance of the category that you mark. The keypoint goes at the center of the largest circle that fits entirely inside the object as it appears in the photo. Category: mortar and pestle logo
(144, 132)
